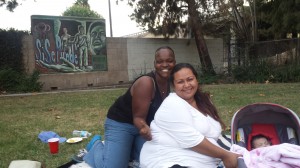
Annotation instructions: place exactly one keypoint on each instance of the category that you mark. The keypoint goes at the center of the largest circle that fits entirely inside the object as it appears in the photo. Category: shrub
(262, 72)
(211, 79)
(287, 74)
(13, 81)
(11, 49)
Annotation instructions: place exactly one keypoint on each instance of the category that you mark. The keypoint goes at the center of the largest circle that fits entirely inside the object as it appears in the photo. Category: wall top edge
(65, 18)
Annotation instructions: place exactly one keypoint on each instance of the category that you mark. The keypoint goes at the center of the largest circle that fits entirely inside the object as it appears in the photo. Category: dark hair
(164, 47)
(203, 100)
(258, 137)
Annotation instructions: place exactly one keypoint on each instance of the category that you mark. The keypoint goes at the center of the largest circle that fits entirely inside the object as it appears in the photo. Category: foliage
(10, 4)
(12, 81)
(277, 18)
(263, 72)
(211, 79)
(81, 9)
(84, 3)
(287, 74)
(12, 77)
(11, 49)
(262, 20)
(258, 20)
(23, 117)
(241, 20)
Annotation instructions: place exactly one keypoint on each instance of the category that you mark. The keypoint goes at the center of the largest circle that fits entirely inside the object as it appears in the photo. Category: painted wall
(68, 44)
(127, 58)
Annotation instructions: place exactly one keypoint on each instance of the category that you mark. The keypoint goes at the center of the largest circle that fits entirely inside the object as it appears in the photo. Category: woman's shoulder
(172, 106)
(147, 77)
(143, 80)
(174, 99)
(143, 83)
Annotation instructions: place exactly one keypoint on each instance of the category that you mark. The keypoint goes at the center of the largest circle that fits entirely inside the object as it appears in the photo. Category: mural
(68, 44)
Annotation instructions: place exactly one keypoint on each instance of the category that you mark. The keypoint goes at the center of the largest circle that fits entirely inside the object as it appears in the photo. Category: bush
(13, 81)
(256, 72)
(240, 73)
(11, 49)
(287, 74)
(262, 72)
(211, 79)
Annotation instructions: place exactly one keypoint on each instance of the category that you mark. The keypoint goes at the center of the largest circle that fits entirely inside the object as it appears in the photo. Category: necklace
(163, 94)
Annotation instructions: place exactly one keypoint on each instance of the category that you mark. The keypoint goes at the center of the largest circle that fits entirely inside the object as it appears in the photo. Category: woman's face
(164, 62)
(185, 84)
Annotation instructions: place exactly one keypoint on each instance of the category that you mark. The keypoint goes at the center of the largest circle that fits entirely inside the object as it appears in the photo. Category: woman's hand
(145, 131)
(230, 160)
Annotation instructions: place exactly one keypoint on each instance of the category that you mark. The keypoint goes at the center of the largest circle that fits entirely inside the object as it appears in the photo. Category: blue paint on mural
(69, 44)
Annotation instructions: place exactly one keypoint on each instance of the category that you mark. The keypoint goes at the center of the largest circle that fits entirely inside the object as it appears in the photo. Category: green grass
(23, 117)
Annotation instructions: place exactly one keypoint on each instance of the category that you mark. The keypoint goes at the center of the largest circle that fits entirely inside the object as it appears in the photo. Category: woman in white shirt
(185, 128)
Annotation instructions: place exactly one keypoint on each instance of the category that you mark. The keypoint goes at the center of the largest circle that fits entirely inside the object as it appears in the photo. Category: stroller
(279, 123)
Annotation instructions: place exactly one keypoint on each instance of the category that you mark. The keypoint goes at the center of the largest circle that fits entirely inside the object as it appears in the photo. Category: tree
(10, 4)
(265, 20)
(83, 3)
(81, 8)
(242, 18)
(277, 18)
(166, 16)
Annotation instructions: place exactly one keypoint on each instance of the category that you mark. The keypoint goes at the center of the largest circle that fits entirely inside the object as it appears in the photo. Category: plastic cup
(53, 145)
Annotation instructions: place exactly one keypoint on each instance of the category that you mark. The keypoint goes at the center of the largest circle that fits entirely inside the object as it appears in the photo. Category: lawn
(23, 117)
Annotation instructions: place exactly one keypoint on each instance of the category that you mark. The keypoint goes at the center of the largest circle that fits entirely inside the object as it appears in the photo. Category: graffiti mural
(68, 44)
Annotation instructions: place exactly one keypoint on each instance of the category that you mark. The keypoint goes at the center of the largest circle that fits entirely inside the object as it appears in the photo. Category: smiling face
(164, 62)
(185, 84)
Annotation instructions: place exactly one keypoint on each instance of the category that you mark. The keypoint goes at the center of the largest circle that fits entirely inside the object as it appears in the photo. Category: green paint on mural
(69, 44)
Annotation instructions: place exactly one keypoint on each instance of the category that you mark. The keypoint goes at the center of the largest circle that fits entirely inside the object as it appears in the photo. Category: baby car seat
(276, 132)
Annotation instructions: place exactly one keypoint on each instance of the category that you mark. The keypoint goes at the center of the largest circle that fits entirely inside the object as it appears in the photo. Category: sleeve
(174, 117)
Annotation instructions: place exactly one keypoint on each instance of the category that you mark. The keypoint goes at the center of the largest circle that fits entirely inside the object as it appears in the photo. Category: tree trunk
(195, 22)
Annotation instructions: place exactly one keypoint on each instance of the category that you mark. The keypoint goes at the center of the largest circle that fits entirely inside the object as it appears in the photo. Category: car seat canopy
(267, 130)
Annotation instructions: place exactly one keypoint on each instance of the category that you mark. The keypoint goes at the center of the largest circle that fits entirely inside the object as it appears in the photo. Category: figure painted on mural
(65, 40)
(42, 30)
(97, 36)
(66, 66)
(82, 43)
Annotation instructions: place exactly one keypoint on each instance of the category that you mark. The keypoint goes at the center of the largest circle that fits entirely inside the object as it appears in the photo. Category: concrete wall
(141, 53)
(127, 58)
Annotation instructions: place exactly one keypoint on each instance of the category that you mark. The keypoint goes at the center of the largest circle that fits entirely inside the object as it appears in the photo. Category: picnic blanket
(24, 164)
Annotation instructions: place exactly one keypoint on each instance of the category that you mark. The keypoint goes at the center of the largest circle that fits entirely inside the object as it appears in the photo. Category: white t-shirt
(177, 126)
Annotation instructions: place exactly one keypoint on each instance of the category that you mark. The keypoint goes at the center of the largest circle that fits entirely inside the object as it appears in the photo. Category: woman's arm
(142, 92)
(207, 148)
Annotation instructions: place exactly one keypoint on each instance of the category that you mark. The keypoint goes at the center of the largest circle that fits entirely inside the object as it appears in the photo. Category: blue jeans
(122, 143)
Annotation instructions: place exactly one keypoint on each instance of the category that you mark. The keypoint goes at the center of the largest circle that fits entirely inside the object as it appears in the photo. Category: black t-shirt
(121, 110)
